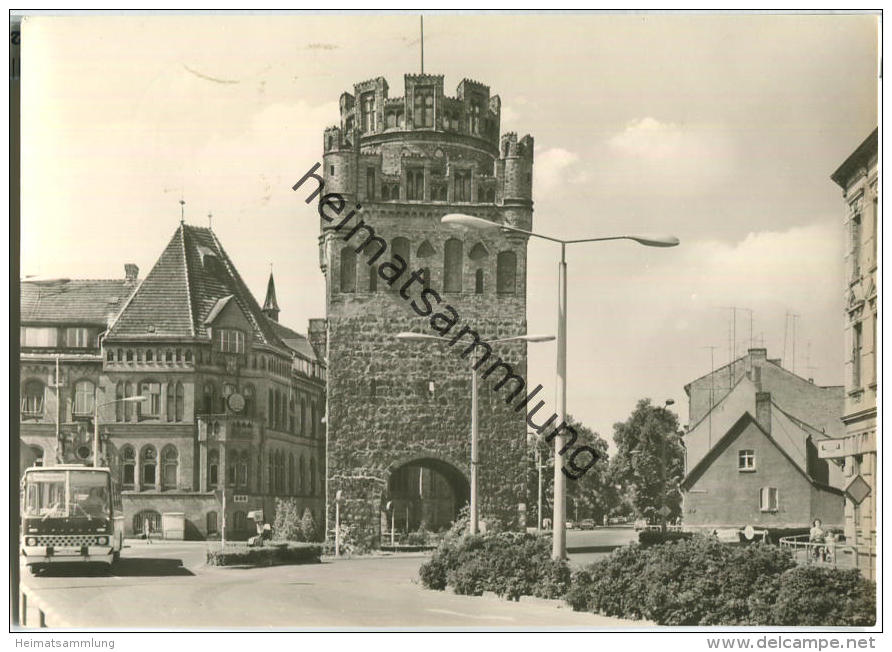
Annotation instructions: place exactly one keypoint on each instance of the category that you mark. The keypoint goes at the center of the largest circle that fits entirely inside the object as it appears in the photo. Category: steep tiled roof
(190, 277)
(293, 340)
(74, 300)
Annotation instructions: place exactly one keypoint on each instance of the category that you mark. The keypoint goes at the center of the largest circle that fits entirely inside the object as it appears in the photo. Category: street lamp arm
(647, 240)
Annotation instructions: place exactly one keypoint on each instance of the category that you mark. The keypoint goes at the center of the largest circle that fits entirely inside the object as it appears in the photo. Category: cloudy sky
(720, 129)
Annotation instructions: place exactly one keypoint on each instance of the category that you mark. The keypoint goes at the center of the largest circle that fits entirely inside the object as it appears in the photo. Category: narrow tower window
(452, 264)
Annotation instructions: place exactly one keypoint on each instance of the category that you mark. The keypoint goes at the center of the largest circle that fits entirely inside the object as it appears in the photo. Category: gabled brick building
(231, 397)
(752, 448)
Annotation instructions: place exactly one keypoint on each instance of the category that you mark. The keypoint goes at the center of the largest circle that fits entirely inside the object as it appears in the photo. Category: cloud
(556, 166)
(668, 157)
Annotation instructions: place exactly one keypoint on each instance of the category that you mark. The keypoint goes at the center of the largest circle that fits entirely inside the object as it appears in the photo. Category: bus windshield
(67, 494)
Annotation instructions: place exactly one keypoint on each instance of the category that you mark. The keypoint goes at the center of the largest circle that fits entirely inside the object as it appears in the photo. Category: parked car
(587, 524)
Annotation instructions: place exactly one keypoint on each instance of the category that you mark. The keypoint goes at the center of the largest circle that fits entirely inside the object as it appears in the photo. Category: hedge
(814, 595)
(509, 564)
(269, 555)
(700, 581)
(655, 537)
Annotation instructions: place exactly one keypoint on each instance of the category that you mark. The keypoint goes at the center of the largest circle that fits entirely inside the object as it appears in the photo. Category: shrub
(510, 564)
(812, 595)
(286, 526)
(308, 530)
(273, 555)
(694, 581)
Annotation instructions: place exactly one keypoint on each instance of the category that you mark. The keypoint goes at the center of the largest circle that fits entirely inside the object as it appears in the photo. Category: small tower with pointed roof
(270, 305)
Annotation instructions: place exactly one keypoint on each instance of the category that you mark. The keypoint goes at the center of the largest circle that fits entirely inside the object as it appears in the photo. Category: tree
(287, 526)
(649, 461)
(308, 529)
(591, 496)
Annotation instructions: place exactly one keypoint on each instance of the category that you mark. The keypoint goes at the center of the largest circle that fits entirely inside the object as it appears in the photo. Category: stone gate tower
(399, 412)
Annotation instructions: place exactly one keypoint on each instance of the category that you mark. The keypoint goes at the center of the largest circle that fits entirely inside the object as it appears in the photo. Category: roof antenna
(210, 221)
(422, 44)
(182, 210)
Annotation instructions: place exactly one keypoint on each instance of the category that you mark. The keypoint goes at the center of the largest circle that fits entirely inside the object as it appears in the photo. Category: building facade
(398, 411)
(751, 449)
(859, 178)
(222, 398)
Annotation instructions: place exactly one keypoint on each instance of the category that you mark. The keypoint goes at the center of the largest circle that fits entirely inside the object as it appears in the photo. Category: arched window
(179, 413)
(84, 392)
(210, 397)
(400, 247)
(188, 355)
(250, 401)
(506, 272)
(128, 467)
(452, 265)
(149, 461)
(348, 269)
(291, 473)
(169, 459)
(213, 467)
(119, 406)
(301, 475)
(37, 452)
(312, 476)
(32, 399)
(242, 470)
(232, 469)
(129, 355)
(478, 282)
(151, 407)
(171, 401)
(212, 523)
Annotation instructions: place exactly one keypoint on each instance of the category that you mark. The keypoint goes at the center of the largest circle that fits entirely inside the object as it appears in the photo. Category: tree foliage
(649, 461)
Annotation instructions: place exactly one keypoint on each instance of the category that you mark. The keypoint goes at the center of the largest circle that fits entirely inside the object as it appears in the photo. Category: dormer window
(230, 340)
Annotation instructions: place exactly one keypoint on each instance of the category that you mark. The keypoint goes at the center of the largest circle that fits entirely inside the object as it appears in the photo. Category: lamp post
(96, 406)
(664, 511)
(534, 439)
(559, 541)
(474, 419)
(338, 496)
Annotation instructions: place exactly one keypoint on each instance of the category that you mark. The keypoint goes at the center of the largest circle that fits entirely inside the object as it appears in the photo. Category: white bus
(70, 514)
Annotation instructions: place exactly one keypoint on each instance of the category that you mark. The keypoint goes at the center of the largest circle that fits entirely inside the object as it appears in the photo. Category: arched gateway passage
(424, 491)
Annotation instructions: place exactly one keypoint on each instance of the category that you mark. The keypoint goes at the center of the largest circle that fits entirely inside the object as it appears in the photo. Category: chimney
(763, 410)
(131, 272)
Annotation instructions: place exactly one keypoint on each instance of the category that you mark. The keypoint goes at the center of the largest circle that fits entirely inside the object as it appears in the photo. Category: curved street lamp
(559, 541)
(419, 337)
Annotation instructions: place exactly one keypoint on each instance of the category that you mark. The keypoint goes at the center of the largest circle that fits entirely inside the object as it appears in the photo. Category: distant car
(571, 525)
(587, 524)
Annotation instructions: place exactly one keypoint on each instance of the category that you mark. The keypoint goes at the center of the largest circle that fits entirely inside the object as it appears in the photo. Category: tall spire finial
(210, 221)
(422, 44)
(182, 210)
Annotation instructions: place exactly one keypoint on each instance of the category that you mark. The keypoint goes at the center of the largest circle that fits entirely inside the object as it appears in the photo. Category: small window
(149, 466)
(452, 264)
(213, 468)
(370, 183)
(169, 459)
(212, 523)
(746, 460)
(150, 355)
(768, 499)
(373, 278)
(438, 191)
(478, 282)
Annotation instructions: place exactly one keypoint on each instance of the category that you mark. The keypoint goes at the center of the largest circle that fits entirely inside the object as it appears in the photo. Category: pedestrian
(147, 528)
(816, 537)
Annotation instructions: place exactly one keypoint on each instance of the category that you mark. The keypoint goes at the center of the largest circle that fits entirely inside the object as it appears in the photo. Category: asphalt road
(167, 585)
